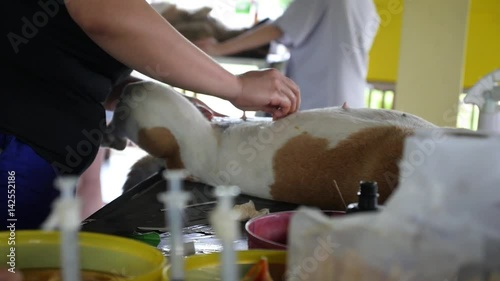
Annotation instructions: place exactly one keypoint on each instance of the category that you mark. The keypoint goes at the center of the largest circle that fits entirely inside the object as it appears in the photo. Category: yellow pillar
(432, 55)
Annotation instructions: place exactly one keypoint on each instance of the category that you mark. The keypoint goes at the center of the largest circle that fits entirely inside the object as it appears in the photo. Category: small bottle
(367, 198)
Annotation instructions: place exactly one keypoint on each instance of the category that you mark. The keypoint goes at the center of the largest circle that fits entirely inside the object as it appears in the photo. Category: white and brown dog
(315, 157)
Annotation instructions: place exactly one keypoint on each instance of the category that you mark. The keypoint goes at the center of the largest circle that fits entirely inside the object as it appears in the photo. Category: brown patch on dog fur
(160, 143)
(305, 168)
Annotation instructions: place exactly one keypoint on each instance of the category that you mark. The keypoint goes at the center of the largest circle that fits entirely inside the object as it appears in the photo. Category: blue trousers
(26, 185)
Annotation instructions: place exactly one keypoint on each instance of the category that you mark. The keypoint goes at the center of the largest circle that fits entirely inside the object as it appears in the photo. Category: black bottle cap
(368, 188)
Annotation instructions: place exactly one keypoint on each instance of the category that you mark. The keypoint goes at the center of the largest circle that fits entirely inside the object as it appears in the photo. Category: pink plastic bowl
(271, 231)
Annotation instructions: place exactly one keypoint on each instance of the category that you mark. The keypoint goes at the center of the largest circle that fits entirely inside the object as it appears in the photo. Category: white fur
(240, 153)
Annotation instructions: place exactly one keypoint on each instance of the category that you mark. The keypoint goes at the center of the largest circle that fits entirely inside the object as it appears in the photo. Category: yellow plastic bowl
(98, 252)
(207, 267)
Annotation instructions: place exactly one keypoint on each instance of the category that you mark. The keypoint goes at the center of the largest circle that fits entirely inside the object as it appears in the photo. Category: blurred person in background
(329, 43)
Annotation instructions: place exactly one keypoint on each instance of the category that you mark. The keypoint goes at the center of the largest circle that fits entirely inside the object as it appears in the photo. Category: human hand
(268, 91)
(6, 275)
(209, 45)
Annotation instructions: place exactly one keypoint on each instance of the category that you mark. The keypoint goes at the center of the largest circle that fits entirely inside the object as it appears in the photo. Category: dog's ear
(172, 14)
(202, 13)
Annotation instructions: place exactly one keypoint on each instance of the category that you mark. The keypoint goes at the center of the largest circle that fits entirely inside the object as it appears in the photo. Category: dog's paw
(248, 211)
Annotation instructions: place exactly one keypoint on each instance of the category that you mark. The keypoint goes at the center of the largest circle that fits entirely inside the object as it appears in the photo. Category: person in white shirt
(329, 43)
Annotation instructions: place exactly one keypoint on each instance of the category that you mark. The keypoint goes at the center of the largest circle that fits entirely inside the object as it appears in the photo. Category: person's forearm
(249, 40)
(133, 33)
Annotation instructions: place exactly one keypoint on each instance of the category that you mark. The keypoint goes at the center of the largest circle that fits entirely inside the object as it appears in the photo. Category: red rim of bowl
(255, 236)
(284, 246)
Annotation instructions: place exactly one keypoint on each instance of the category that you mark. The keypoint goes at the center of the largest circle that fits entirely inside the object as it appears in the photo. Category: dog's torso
(314, 152)
(314, 157)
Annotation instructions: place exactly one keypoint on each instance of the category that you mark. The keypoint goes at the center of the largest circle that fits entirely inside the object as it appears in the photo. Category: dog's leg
(141, 170)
